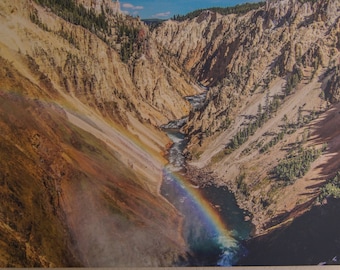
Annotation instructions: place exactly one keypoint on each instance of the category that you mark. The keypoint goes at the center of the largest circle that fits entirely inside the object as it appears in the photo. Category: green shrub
(295, 166)
(331, 189)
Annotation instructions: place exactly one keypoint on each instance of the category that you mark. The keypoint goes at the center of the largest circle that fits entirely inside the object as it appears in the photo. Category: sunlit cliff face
(73, 194)
(82, 158)
(278, 63)
(82, 154)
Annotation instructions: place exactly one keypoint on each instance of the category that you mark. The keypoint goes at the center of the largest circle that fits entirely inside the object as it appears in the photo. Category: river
(207, 211)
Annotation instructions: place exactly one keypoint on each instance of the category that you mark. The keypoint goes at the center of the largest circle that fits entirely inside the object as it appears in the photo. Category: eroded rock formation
(267, 70)
(81, 100)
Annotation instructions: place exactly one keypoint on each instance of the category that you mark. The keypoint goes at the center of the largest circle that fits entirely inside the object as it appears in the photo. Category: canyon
(84, 91)
(249, 62)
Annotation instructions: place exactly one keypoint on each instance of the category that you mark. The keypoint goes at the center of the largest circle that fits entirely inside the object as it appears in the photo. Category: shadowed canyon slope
(84, 89)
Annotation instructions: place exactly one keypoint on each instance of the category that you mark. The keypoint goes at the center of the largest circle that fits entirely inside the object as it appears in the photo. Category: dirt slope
(82, 156)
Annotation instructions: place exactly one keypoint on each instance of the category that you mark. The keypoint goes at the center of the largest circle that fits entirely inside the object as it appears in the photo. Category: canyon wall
(82, 152)
(83, 92)
(271, 72)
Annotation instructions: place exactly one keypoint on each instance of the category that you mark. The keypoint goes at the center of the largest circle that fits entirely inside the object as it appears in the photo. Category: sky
(165, 9)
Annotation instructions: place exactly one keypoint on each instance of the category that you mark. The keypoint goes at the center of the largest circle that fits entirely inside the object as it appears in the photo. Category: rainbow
(206, 211)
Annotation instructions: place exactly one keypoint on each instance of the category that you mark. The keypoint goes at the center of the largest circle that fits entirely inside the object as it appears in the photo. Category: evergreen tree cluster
(292, 80)
(238, 9)
(70, 11)
(35, 19)
(130, 39)
(331, 189)
(262, 116)
(295, 166)
(272, 142)
(69, 37)
(241, 185)
(302, 120)
(332, 90)
(128, 35)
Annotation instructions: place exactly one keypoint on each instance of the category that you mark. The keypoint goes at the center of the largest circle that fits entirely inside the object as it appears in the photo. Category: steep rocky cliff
(272, 73)
(83, 91)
